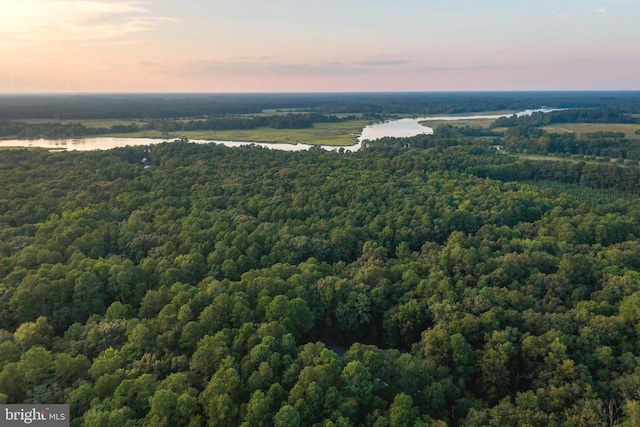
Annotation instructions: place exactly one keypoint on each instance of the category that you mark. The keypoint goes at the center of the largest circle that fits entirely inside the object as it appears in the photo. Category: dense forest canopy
(419, 281)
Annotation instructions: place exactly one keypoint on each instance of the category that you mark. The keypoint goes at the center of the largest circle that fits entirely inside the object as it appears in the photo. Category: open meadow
(582, 128)
(483, 123)
(337, 134)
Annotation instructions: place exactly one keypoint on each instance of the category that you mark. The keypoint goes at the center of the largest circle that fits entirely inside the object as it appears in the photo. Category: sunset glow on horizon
(67, 46)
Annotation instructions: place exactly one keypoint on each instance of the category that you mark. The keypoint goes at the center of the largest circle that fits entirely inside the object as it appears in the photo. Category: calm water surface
(394, 128)
(412, 127)
(106, 143)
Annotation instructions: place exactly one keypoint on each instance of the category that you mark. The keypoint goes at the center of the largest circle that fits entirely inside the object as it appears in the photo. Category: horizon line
(324, 92)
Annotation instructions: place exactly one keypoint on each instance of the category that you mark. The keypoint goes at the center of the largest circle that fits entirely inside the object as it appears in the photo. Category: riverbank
(348, 135)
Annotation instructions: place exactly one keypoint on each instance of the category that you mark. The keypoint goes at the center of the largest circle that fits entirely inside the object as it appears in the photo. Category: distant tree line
(22, 130)
(595, 115)
(287, 121)
(167, 106)
(76, 129)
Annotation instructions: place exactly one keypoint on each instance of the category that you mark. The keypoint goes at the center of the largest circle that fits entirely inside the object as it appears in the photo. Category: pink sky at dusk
(287, 46)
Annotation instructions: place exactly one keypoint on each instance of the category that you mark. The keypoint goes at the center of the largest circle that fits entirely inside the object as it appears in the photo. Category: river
(393, 128)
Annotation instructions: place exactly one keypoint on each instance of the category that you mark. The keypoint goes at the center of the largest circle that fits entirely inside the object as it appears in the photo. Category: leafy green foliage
(442, 283)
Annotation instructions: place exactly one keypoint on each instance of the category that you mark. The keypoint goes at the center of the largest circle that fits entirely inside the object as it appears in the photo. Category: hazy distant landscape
(312, 119)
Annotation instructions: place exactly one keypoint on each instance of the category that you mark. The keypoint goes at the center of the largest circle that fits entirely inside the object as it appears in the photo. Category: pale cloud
(274, 66)
(44, 21)
(384, 63)
(265, 68)
(245, 45)
(455, 69)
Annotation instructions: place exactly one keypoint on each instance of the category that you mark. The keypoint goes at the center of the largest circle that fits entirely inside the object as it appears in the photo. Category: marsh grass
(336, 134)
(483, 123)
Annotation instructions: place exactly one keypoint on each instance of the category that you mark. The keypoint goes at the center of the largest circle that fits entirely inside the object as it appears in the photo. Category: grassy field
(478, 113)
(580, 128)
(484, 123)
(337, 134)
